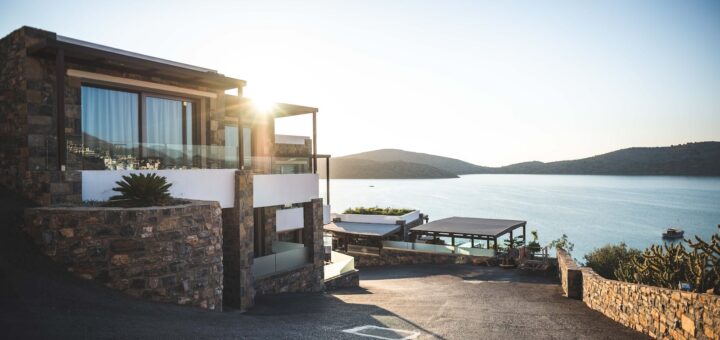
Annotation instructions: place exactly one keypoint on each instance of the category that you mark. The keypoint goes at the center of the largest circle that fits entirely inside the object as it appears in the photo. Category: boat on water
(673, 234)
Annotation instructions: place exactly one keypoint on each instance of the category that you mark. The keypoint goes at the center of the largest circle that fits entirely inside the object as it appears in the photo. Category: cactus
(669, 264)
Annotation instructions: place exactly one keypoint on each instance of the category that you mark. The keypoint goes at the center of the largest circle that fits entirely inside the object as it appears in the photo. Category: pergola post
(452, 238)
(314, 142)
(512, 240)
(495, 245)
(487, 243)
(472, 242)
(524, 239)
(327, 180)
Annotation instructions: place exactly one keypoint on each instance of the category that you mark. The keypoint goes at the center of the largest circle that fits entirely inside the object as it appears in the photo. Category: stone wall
(28, 123)
(346, 280)
(658, 312)
(294, 150)
(570, 275)
(390, 257)
(170, 254)
(303, 280)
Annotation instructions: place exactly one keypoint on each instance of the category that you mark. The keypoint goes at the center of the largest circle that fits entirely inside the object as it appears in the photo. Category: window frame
(142, 114)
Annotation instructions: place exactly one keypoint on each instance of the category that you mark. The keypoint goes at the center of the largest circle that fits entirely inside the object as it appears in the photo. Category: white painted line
(480, 281)
(359, 330)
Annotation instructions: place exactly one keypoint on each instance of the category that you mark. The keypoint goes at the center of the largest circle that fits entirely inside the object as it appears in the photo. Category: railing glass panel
(438, 248)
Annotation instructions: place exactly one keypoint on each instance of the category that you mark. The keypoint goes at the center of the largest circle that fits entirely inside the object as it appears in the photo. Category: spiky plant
(534, 245)
(143, 190)
(668, 265)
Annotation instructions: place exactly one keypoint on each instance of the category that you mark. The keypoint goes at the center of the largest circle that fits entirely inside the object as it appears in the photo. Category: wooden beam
(137, 83)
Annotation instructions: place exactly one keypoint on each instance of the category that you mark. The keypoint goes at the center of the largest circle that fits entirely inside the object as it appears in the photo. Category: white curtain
(163, 130)
(109, 119)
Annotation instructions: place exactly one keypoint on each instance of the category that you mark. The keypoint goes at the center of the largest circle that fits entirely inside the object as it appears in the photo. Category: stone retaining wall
(389, 257)
(346, 280)
(302, 280)
(570, 275)
(658, 312)
(170, 254)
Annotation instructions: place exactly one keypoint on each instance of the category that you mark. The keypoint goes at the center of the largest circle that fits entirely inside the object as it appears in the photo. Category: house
(75, 116)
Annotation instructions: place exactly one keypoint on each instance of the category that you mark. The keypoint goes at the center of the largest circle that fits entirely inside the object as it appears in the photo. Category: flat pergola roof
(362, 229)
(470, 227)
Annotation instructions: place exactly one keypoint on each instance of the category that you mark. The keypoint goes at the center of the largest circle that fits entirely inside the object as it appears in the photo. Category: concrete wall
(170, 254)
(658, 312)
(272, 190)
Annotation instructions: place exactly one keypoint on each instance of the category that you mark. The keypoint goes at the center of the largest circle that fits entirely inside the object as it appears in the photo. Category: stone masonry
(238, 236)
(658, 312)
(390, 257)
(170, 254)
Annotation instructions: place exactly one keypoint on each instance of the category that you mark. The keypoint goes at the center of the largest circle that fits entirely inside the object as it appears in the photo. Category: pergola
(470, 228)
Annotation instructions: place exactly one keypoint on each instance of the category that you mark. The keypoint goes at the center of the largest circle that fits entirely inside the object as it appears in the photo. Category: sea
(591, 210)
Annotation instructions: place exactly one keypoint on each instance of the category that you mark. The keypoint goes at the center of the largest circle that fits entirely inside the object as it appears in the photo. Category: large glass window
(110, 131)
(168, 132)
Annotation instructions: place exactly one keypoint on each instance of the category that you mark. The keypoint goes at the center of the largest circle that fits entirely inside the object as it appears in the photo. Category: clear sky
(490, 82)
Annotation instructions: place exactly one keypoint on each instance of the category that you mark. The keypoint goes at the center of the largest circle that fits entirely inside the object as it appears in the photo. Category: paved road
(38, 300)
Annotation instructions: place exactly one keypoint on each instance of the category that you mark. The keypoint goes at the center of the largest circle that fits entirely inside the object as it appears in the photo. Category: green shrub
(607, 259)
(377, 211)
(562, 242)
(142, 190)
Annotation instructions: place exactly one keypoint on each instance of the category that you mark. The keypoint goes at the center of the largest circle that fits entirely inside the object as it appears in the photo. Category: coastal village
(136, 184)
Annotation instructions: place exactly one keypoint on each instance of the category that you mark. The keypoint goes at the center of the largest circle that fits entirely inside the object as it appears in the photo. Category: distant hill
(367, 169)
(692, 159)
(448, 164)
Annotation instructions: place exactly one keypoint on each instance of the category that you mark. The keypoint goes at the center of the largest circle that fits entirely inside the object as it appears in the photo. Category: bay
(591, 210)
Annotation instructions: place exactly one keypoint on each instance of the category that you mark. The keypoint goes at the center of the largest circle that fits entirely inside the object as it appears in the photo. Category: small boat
(673, 234)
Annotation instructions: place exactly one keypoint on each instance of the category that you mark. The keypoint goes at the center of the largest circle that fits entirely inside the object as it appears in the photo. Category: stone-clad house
(76, 116)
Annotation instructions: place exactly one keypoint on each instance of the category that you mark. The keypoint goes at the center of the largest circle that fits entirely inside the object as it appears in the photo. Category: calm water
(591, 210)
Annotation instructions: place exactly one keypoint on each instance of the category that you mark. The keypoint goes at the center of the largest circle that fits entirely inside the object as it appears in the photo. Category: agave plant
(143, 190)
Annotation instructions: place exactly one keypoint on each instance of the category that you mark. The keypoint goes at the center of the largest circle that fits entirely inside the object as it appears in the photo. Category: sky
(489, 82)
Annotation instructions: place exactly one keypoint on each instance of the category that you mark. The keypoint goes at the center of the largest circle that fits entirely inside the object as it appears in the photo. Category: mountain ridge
(690, 159)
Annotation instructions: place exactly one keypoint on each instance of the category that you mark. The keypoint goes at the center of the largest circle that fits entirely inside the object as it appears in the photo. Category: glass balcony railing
(437, 248)
(288, 256)
(149, 156)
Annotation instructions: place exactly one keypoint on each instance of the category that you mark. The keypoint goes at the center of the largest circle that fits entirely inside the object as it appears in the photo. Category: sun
(263, 105)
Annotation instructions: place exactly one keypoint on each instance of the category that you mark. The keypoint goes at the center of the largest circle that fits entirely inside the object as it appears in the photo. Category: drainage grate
(382, 333)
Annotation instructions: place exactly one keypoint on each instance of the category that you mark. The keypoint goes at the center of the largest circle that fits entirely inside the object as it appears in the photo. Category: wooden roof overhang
(95, 55)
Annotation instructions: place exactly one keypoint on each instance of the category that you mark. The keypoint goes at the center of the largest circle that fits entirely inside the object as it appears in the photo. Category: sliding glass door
(168, 132)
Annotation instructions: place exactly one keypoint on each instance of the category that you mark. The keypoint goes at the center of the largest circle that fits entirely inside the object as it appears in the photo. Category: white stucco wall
(202, 184)
(289, 219)
(271, 190)
(378, 219)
